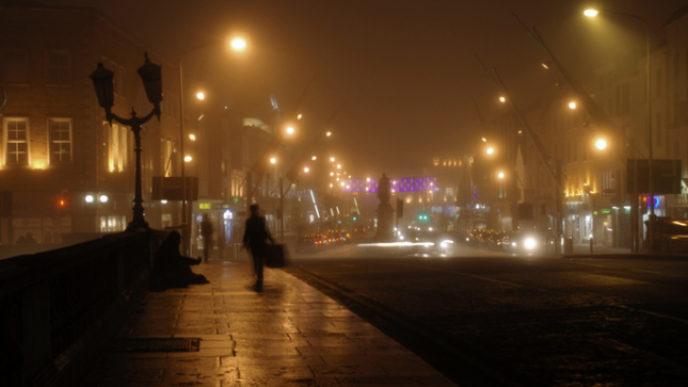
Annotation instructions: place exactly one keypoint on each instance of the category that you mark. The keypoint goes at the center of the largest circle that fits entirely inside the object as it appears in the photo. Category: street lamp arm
(629, 15)
(589, 104)
(134, 120)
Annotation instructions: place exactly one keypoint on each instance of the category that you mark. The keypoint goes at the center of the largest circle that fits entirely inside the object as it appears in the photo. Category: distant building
(596, 199)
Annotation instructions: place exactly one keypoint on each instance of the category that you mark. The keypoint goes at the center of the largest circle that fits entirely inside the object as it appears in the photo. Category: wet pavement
(290, 334)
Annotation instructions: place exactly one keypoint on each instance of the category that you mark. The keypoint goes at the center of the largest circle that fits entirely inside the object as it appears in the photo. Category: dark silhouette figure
(207, 233)
(384, 210)
(256, 235)
(171, 269)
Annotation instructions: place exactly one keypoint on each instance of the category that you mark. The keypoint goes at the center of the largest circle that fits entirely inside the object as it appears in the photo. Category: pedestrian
(171, 268)
(207, 234)
(256, 235)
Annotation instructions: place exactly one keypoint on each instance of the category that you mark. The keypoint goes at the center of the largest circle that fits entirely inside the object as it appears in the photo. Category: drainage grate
(157, 344)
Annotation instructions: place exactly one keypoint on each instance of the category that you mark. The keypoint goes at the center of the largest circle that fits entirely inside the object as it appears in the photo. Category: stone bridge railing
(59, 306)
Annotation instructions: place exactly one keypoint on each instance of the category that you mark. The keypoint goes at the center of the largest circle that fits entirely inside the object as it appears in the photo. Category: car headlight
(446, 243)
(529, 243)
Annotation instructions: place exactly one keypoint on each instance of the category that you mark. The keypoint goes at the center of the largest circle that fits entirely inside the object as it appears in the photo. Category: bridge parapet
(57, 306)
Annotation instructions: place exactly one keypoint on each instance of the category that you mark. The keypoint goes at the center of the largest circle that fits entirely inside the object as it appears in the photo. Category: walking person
(256, 235)
(207, 234)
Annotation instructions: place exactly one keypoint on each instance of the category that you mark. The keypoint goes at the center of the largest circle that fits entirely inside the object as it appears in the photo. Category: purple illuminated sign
(402, 184)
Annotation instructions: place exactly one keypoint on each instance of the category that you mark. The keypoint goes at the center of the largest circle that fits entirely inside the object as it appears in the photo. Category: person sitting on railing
(171, 268)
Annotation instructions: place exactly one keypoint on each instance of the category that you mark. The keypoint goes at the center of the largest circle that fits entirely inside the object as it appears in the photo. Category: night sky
(399, 77)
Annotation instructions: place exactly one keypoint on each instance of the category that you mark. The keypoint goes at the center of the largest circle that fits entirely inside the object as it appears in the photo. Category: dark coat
(256, 235)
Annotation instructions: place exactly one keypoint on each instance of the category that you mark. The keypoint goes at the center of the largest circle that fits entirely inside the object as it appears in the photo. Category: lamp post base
(137, 225)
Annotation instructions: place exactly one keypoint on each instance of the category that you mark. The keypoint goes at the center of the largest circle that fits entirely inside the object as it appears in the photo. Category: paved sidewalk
(291, 334)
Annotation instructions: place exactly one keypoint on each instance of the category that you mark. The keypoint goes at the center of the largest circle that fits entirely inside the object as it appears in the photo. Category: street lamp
(151, 75)
(592, 13)
(200, 95)
(601, 143)
(573, 105)
(238, 44)
(290, 131)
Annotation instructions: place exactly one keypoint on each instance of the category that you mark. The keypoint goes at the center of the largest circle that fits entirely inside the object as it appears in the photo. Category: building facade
(64, 170)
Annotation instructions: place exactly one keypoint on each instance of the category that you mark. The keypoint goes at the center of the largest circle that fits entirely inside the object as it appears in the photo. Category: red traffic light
(61, 203)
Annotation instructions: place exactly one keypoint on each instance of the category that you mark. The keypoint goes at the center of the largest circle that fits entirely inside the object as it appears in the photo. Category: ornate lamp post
(152, 82)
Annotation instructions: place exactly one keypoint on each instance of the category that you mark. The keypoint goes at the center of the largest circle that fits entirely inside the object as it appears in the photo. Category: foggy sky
(399, 76)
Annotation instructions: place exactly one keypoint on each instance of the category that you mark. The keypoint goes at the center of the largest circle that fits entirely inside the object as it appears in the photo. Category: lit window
(168, 151)
(17, 134)
(60, 131)
(117, 146)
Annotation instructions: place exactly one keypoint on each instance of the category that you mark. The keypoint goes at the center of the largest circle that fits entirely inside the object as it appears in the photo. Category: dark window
(15, 66)
(58, 67)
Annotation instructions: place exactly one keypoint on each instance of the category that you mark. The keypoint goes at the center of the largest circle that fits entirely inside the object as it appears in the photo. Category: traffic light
(423, 217)
(354, 216)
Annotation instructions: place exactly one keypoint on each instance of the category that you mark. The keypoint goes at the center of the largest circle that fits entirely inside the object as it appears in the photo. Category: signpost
(666, 176)
(172, 188)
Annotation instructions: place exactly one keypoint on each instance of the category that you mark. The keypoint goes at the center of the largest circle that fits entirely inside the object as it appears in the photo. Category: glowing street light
(200, 95)
(489, 151)
(339, 166)
(500, 175)
(601, 144)
(238, 44)
(188, 158)
(332, 159)
(328, 133)
(591, 13)
(502, 99)
(483, 139)
(306, 170)
(192, 137)
(299, 116)
(314, 157)
(573, 105)
(290, 130)
(273, 160)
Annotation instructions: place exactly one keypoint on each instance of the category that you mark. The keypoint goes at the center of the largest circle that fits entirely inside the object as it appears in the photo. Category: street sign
(666, 176)
(172, 188)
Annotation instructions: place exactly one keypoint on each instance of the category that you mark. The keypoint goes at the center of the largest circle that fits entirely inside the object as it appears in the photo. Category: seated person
(171, 269)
